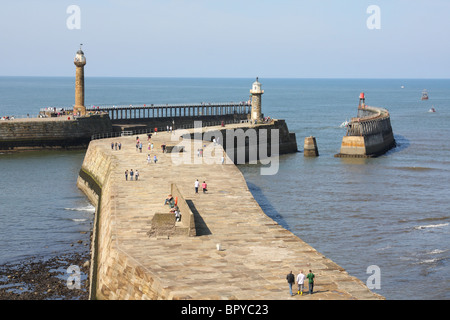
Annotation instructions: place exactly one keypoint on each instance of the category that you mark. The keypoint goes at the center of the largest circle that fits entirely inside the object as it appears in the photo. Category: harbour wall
(58, 132)
(253, 142)
(184, 122)
(368, 135)
(230, 250)
(61, 132)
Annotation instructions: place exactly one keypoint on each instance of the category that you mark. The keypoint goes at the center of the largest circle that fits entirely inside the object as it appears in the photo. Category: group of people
(149, 159)
(7, 118)
(116, 145)
(173, 204)
(300, 279)
(197, 185)
(132, 174)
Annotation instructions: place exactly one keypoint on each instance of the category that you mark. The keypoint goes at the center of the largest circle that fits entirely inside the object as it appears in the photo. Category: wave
(429, 261)
(87, 208)
(415, 168)
(79, 220)
(431, 226)
(436, 251)
(434, 218)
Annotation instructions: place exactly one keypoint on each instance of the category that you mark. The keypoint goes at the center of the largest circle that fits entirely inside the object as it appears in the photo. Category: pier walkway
(256, 253)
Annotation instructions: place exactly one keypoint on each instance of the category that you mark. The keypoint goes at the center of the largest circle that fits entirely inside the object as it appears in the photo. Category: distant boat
(432, 109)
(424, 95)
(403, 87)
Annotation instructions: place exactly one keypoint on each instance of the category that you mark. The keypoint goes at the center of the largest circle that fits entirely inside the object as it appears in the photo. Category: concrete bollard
(310, 147)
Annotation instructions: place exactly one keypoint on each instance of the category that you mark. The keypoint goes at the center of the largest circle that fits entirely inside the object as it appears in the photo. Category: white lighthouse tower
(256, 93)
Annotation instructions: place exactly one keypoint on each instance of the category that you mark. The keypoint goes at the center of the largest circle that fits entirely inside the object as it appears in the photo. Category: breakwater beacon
(79, 61)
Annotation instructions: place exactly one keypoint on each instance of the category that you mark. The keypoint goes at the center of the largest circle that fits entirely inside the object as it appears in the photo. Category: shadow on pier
(200, 225)
(267, 206)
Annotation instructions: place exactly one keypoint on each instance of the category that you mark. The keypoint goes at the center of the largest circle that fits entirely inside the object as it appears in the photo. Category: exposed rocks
(45, 279)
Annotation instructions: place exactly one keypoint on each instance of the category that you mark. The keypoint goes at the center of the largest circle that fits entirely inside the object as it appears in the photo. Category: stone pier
(131, 262)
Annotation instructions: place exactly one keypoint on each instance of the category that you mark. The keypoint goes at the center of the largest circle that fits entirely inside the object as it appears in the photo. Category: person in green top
(310, 276)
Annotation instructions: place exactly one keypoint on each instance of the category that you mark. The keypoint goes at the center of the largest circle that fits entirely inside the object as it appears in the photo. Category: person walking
(126, 175)
(131, 174)
(154, 158)
(136, 174)
(310, 277)
(300, 282)
(149, 159)
(196, 184)
(290, 280)
(204, 187)
(140, 147)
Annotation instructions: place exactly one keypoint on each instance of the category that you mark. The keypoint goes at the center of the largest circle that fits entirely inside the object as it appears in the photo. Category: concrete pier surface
(255, 252)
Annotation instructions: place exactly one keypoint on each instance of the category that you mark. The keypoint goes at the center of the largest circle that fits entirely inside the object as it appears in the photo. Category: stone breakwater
(58, 132)
(236, 251)
(368, 135)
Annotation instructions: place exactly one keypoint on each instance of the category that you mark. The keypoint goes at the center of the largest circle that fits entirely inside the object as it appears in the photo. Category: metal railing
(371, 120)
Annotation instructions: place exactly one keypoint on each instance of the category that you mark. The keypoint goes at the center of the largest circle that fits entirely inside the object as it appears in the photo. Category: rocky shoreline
(45, 279)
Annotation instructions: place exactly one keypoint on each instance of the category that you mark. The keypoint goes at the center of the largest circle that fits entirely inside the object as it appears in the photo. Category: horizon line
(237, 77)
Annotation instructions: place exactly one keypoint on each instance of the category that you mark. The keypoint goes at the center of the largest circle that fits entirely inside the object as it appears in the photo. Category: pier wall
(253, 142)
(175, 122)
(51, 132)
(368, 135)
(255, 252)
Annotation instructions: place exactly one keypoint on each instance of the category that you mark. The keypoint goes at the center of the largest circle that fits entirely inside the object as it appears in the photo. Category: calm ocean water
(392, 211)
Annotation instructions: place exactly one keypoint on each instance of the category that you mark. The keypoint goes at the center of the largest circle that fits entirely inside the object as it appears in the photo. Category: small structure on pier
(79, 61)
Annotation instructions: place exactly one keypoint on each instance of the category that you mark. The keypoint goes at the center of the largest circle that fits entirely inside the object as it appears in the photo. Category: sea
(385, 220)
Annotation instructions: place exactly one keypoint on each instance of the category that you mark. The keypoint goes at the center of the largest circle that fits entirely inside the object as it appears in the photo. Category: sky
(227, 38)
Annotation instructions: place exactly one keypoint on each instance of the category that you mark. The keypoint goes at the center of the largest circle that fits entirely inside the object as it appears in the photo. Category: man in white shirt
(300, 282)
(196, 186)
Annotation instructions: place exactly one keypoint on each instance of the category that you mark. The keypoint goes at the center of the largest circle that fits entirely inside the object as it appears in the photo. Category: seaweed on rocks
(46, 279)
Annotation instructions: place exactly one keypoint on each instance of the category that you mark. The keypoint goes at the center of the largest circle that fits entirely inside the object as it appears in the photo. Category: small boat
(432, 109)
(344, 124)
(424, 95)
(403, 87)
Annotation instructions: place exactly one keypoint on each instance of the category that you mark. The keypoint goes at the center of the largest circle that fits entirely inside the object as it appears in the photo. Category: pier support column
(310, 147)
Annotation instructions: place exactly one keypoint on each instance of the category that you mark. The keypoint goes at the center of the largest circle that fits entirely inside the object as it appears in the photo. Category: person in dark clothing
(291, 280)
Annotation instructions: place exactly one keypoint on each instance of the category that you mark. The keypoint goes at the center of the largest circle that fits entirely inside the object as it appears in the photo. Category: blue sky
(227, 38)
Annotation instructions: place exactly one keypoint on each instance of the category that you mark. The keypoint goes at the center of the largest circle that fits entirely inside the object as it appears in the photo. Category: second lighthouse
(256, 93)
(80, 60)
